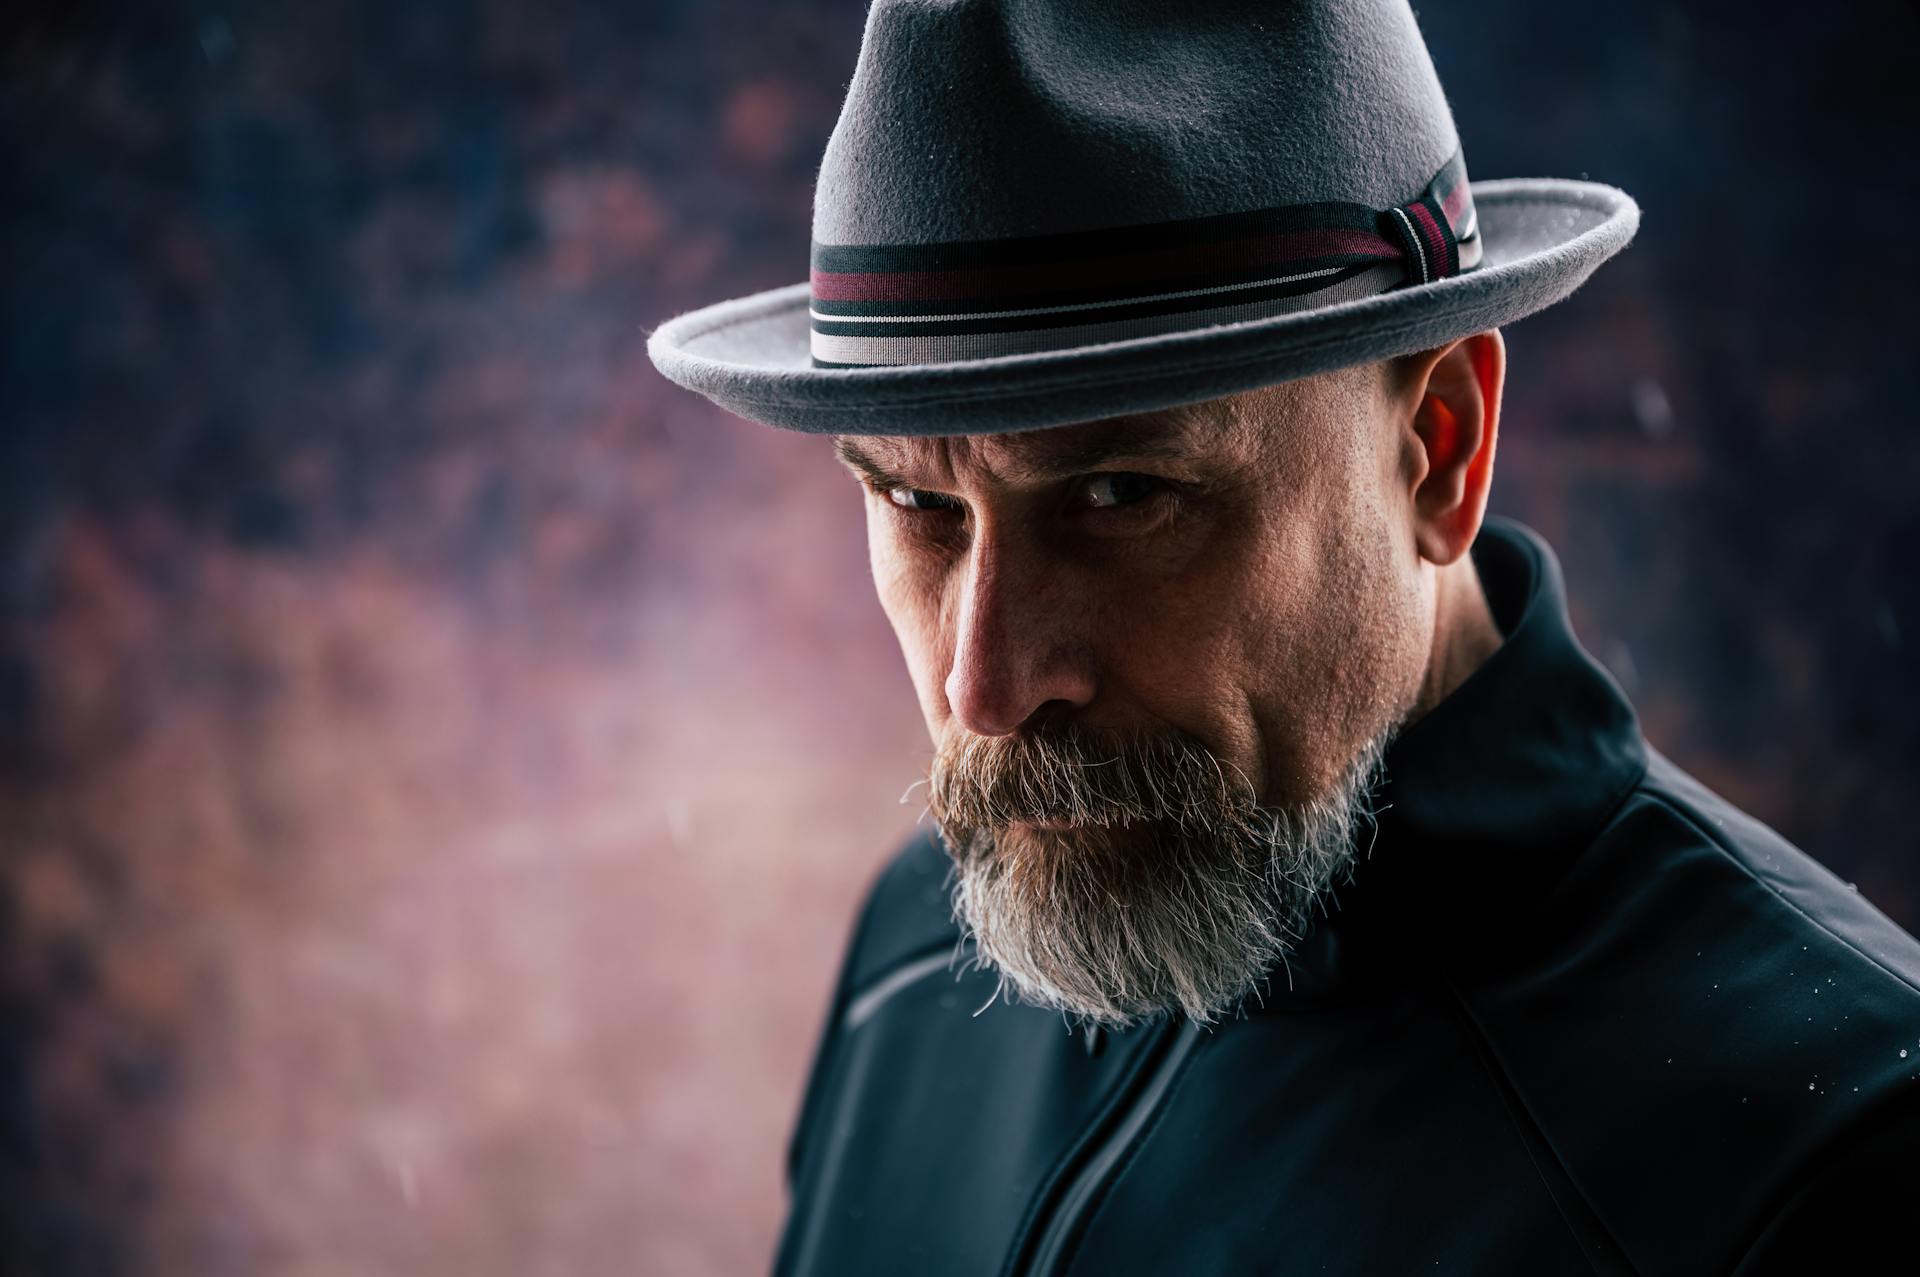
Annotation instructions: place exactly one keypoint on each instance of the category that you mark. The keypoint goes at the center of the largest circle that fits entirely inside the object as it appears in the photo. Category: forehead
(1192, 433)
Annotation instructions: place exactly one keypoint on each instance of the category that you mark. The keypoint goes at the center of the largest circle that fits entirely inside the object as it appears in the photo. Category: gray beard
(1169, 888)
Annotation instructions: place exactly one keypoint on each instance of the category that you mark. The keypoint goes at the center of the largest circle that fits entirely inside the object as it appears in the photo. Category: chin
(1063, 838)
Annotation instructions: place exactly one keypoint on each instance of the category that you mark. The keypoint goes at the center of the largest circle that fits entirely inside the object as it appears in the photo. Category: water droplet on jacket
(1651, 407)
(1903, 1052)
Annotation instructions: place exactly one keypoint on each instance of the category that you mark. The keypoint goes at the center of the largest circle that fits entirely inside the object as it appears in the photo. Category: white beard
(1156, 886)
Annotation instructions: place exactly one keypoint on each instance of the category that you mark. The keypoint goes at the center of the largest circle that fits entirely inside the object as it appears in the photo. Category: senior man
(1301, 897)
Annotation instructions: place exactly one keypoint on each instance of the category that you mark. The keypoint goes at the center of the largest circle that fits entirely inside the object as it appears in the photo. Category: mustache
(1082, 775)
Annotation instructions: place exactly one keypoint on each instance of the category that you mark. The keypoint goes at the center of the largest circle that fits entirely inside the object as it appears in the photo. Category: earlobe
(1457, 422)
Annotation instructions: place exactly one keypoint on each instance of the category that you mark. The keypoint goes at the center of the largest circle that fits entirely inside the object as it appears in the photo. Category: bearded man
(1301, 897)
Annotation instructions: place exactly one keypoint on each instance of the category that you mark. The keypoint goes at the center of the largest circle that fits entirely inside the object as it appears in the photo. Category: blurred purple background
(439, 759)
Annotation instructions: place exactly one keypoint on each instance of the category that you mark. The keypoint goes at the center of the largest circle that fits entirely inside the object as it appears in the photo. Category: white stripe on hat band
(1060, 310)
(940, 347)
(1413, 237)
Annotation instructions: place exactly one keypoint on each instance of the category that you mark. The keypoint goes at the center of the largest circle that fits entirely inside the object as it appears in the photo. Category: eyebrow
(1042, 457)
(855, 458)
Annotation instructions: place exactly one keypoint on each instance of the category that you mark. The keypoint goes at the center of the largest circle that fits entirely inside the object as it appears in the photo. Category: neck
(1464, 633)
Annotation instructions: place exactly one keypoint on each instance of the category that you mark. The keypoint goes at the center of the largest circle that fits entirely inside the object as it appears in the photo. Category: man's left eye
(1107, 490)
(915, 499)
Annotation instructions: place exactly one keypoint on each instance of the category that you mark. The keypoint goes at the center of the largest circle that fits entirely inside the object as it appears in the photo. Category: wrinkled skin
(1279, 577)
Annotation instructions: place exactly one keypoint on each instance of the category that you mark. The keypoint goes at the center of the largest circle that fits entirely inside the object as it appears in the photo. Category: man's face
(1159, 658)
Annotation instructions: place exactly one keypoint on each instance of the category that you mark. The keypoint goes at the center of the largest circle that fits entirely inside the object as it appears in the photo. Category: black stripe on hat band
(1116, 241)
(1119, 291)
(933, 303)
(903, 327)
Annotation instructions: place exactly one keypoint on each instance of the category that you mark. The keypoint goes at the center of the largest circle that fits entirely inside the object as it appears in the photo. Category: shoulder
(906, 913)
(1701, 1017)
(1681, 880)
(1678, 854)
(902, 919)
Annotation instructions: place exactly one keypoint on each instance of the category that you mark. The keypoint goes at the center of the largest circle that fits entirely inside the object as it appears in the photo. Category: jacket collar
(1488, 798)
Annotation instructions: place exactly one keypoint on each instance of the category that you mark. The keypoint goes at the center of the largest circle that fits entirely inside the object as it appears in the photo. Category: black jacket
(1575, 1014)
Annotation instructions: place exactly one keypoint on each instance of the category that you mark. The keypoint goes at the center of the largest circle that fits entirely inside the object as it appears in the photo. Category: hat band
(878, 305)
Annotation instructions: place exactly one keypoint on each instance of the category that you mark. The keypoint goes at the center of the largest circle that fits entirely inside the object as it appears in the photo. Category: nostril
(1052, 716)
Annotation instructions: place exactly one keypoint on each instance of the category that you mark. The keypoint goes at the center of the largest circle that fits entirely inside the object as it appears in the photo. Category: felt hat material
(1033, 212)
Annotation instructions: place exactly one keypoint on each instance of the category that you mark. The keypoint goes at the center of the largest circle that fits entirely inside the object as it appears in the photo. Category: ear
(1450, 398)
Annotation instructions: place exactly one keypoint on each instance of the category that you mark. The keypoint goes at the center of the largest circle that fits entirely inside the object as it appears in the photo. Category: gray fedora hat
(1035, 212)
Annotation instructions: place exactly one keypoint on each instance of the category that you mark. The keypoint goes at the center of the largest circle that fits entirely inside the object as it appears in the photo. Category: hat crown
(970, 120)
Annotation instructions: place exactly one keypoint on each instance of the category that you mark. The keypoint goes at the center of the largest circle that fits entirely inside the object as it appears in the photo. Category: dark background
(439, 759)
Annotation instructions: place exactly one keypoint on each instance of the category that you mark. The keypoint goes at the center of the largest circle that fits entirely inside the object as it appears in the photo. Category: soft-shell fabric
(1575, 1013)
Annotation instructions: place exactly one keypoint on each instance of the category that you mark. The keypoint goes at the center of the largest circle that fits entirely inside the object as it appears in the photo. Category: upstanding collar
(1489, 797)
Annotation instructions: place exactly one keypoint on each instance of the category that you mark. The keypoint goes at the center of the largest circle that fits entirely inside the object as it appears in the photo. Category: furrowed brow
(1057, 457)
(1046, 454)
(855, 458)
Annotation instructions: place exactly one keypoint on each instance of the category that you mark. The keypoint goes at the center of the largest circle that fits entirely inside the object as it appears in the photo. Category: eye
(1104, 491)
(918, 499)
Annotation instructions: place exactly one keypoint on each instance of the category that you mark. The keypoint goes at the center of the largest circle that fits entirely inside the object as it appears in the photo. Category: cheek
(912, 603)
(1183, 642)
(1342, 654)
(1270, 643)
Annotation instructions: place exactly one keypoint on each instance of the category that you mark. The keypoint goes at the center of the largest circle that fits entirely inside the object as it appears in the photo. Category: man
(1301, 898)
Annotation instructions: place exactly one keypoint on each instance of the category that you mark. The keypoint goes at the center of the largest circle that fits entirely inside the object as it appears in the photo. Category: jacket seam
(1105, 1192)
(1838, 1144)
(880, 977)
(1049, 1186)
(819, 1077)
(825, 1065)
(1512, 1100)
(1637, 784)
(1518, 1112)
(1726, 853)
(817, 1089)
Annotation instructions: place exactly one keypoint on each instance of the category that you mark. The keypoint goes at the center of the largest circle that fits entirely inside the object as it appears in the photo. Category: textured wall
(438, 759)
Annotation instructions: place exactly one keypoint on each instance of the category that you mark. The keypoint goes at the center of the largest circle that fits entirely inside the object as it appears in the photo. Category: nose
(1015, 648)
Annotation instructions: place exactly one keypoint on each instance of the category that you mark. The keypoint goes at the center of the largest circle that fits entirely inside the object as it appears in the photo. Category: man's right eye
(918, 499)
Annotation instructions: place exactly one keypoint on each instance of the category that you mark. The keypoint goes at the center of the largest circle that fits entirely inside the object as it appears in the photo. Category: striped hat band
(879, 305)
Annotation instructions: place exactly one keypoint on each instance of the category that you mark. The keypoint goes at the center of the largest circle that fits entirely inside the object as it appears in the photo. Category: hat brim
(1543, 237)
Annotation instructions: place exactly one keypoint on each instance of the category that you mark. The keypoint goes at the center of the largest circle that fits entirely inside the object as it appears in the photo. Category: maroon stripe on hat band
(872, 304)
(1117, 274)
(1427, 222)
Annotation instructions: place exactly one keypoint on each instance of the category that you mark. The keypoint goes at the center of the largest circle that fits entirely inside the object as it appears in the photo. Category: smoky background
(439, 759)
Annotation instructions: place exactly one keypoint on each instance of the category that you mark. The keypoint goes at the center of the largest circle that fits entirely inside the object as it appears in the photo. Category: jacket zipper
(1050, 1248)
